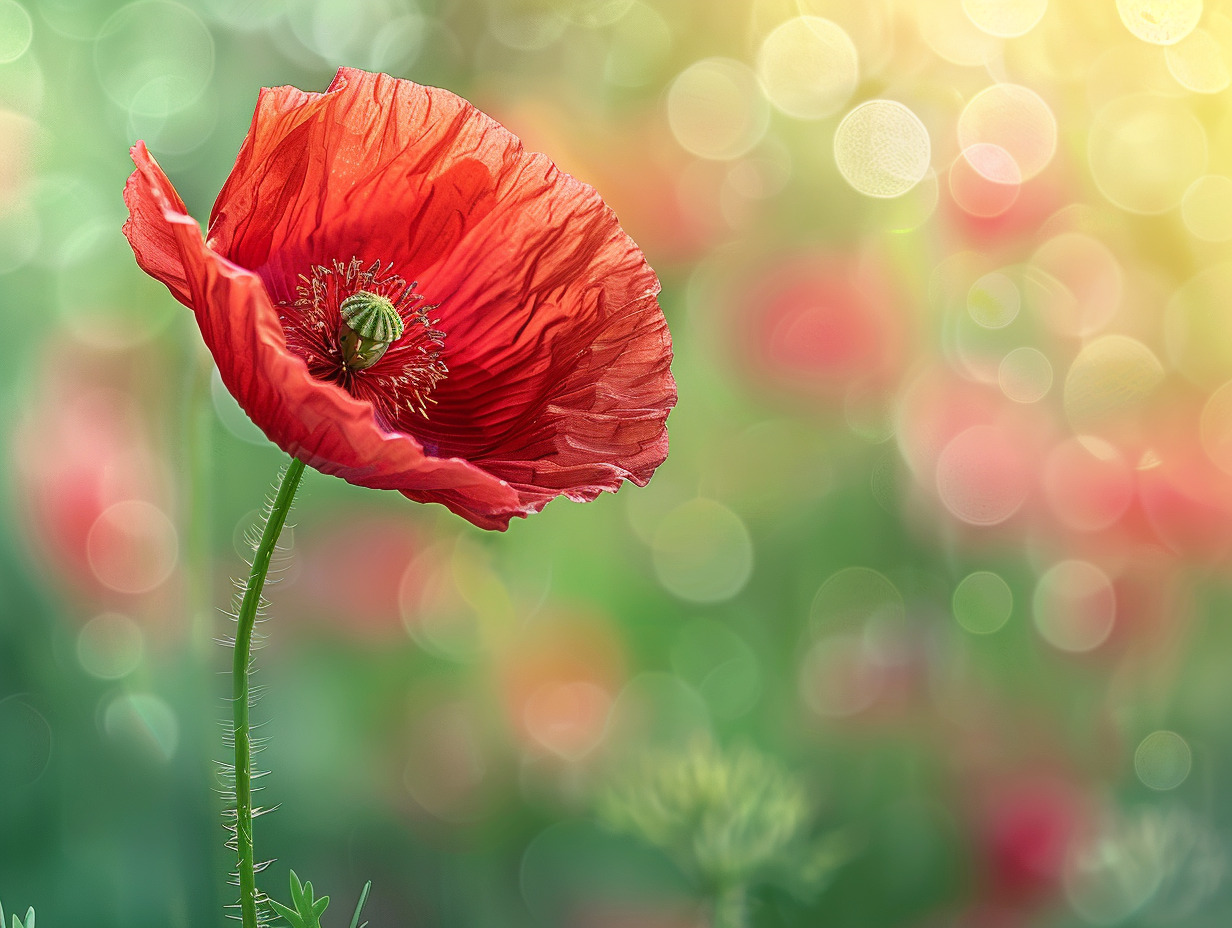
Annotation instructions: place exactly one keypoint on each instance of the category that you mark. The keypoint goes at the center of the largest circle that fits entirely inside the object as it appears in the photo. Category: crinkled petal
(559, 354)
(154, 210)
(314, 421)
(561, 378)
(374, 167)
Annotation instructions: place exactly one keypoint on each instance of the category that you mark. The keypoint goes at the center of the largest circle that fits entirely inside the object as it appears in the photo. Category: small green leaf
(289, 914)
(307, 912)
(297, 889)
(363, 897)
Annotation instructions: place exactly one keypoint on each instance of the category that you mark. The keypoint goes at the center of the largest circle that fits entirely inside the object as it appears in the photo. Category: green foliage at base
(17, 922)
(307, 912)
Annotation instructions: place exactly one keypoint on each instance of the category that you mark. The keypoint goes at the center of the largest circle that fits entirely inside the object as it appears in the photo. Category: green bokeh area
(922, 623)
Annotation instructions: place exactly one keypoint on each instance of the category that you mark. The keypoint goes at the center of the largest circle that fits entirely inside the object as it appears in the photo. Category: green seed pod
(370, 324)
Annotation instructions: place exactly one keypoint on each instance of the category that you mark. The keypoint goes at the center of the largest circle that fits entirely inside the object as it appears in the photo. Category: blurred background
(923, 622)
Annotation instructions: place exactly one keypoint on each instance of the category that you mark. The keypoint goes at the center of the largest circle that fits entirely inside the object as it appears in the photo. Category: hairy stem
(240, 691)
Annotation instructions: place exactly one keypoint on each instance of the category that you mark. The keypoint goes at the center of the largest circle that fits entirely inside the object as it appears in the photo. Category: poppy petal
(372, 160)
(154, 208)
(559, 357)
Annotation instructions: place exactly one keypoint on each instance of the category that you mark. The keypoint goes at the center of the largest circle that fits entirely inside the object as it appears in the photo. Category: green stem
(240, 693)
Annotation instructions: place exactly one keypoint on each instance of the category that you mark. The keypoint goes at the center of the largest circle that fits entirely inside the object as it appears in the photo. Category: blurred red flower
(95, 502)
(351, 570)
(559, 681)
(1025, 832)
(501, 345)
(813, 324)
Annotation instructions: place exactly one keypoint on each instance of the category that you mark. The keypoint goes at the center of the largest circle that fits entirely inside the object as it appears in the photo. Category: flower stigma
(365, 329)
(369, 325)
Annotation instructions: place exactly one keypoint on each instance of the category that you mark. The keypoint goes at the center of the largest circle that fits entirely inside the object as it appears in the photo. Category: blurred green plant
(17, 922)
(730, 820)
(308, 911)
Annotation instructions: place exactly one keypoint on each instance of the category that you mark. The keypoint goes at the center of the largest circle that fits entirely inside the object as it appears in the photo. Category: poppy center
(370, 324)
(365, 329)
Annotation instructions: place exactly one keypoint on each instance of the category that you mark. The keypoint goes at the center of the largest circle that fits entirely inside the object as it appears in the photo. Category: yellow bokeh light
(870, 24)
(1017, 120)
(1128, 67)
(994, 300)
(1006, 19)
(1160, 22)
(1025, 375)
(1145, 151)
(1202, 61)
(716, 109)
(1074, 606)
(948, 30)
(1075, 283)
(994, 163)
(882, 148)
(809, 67)
(1206, 208)
(1110, 377)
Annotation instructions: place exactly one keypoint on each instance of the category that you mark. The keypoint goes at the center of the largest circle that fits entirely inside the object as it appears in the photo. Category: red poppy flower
(400, 295)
